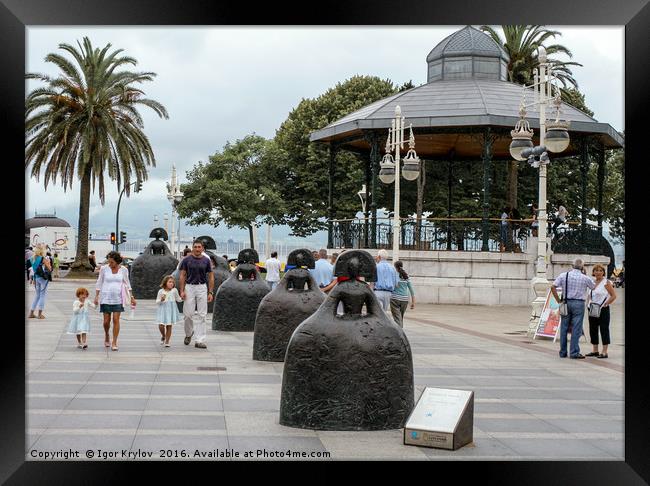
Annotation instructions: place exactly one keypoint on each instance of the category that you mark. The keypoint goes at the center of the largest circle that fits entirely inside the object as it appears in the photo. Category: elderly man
(387, 280)
(323, 272)
(574, 285)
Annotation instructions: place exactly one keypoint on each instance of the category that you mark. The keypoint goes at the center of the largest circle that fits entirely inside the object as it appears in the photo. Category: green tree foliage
(234, 187)
(302, 173)
(85, 122)
(576, 99)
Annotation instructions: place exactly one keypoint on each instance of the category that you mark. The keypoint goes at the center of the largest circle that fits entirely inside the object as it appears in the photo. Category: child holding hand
(167, 313)
(80, 322)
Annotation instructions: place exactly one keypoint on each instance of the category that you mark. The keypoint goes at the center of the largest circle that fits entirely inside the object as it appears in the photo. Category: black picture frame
(15, 15)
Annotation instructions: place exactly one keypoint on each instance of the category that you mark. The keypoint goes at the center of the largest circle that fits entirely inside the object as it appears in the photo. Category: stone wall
(479, 278)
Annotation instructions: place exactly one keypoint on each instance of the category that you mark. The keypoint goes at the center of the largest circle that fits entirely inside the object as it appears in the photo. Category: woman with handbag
(42, 271)
(115, 289)
(600, 298)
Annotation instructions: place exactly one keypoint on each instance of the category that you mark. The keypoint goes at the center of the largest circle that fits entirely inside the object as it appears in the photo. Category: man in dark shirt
(195, 273)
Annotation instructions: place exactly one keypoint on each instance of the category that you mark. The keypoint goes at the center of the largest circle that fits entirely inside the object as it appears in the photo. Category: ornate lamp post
(390, 168)
(174, 196)
(363, 194)
(553, 137)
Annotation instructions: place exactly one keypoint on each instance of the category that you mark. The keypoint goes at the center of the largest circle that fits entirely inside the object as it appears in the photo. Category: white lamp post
(362, 195)
(174, 196)
(553, 137)
(390, 168)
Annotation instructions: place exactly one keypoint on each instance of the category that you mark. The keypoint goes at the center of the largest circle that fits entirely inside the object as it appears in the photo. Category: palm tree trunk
(81, 262)
(513, 179)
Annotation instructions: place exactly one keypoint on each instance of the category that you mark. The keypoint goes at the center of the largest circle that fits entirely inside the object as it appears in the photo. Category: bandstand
(465, 112)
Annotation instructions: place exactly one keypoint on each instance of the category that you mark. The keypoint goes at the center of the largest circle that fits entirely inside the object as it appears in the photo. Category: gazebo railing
(463, 234)
(451, 234)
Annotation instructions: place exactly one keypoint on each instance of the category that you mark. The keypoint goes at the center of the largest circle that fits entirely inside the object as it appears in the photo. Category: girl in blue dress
(80, 322)
(167, 313)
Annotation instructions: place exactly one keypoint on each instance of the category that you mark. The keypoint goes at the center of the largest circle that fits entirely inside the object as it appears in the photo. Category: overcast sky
(222, 83)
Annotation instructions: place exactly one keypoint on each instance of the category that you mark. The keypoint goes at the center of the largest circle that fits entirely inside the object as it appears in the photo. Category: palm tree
(84, 123)
(521, 43)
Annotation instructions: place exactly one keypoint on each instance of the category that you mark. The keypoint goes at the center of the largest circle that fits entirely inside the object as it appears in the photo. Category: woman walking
(115, 290)
(602, 295)
(41, 271)
(399, 299)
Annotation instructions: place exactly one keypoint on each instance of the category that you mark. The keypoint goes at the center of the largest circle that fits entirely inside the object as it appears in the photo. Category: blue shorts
(110, 308)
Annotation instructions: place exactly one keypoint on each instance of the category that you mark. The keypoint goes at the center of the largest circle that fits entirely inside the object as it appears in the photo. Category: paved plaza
(144, 398)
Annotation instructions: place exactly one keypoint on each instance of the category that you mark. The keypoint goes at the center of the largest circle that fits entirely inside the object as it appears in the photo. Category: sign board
(549, 321)
(442, 418)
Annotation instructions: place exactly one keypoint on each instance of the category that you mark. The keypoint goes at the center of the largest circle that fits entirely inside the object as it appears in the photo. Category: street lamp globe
(411, 169)
(178, 197)
(387, 171)
(557, 139)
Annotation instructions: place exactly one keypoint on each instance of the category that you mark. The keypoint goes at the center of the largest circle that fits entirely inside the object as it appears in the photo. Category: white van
(61, 240)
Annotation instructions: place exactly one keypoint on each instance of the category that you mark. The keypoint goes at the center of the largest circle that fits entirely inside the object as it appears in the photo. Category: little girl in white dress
(80, 322)
(167, 313)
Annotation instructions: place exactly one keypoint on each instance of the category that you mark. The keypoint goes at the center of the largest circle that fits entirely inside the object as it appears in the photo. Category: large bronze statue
(352, 371)
(148, 270)
(238, 298)
(295, 298)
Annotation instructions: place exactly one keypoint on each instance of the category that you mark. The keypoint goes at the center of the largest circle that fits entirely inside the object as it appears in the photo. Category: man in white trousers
(195, 273)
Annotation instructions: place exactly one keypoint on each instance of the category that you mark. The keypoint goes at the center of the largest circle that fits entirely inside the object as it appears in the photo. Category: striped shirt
(402, 291)
(577, 284)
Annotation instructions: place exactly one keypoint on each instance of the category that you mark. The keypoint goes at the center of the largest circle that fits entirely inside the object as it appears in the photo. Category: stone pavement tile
(429, 370)
(440, 382)
(32, 403)
(571, 394)
(381, 444)
(482, 448)
(95, 421)
(495, 407)
(249, 378)
(608, 409)
(180, 422)
(251, 405)
(615, 448)
(185, 404)
(113, 366)
(557, 407)
(495, 381)
(531, 424)
(556, 449)
(83, 442)
(71, 365)
(585, 426)
(107, 403)
(261, 424)
(115, 389)
(169, 444)
(52, 387)
(161, 388)
(188, 378)
(39, 420)
(60, 375)
(279, 444)
(250, 390)
(512, 393)
(117, 378)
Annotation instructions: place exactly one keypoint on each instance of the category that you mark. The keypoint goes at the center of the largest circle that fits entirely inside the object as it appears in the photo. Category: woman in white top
(603, 295)
(115, 289)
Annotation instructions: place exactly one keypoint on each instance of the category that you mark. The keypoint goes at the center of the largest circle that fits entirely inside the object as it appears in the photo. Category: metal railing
(463, 234)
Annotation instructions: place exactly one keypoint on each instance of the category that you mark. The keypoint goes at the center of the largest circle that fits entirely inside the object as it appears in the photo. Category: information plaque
(442, 418)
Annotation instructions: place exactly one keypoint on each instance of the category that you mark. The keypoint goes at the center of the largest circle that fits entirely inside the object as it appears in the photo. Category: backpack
(42, 271)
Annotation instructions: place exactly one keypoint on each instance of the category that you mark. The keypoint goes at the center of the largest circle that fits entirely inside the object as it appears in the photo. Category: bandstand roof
(445, 113)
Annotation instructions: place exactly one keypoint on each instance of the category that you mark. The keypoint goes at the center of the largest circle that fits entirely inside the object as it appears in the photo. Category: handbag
(564, 306)
(42, 271)
(594, 308)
